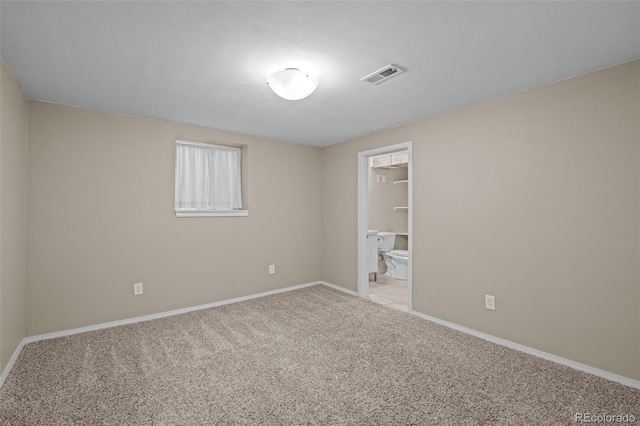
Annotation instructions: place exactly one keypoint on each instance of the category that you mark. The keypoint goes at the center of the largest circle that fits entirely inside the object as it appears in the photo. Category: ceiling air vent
(383, 74)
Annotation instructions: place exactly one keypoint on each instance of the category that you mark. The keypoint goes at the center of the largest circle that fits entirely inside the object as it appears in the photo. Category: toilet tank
(386, 241)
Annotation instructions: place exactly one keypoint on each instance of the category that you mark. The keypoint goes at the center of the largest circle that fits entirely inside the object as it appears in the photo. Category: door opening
(385, 225)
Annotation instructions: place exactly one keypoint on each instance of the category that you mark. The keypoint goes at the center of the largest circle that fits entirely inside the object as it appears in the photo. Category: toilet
(397, 261)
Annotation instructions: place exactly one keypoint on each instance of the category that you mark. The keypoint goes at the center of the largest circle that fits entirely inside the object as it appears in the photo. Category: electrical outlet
(137, 289)
(490, 302)
(381, 179)
(272, 269)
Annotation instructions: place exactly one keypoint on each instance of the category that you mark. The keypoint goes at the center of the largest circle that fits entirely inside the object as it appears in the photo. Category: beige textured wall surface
(533, 198)
(101, 217)
(13, 147)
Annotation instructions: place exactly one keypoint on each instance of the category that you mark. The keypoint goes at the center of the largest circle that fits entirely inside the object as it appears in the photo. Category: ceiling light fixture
(292, 84)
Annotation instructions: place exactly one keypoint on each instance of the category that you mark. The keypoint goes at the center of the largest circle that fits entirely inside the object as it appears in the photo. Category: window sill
(209, 213)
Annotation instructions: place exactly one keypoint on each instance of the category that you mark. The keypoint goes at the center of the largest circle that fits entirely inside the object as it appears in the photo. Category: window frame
(204, 212)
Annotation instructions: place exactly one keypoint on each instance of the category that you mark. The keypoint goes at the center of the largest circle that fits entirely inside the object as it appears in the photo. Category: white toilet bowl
(397, 262)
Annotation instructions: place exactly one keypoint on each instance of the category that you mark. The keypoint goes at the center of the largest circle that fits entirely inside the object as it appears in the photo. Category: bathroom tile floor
(389, 292)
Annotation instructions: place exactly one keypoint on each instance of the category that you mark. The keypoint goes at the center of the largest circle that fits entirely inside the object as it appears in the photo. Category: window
(208, 180)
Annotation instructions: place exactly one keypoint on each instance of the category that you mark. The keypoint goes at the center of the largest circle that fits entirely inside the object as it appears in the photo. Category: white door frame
(363, 214)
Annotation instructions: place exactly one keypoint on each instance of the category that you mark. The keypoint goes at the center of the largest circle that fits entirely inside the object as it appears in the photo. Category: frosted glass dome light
(292, 84)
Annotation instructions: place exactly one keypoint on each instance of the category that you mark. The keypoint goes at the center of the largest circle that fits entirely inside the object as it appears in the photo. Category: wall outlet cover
(490, 302)
(137, 289)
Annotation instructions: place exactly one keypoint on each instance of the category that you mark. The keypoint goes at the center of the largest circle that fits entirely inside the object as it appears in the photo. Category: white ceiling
(206, 63)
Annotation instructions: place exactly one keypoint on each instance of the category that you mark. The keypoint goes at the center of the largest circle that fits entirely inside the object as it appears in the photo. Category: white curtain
(207, 177)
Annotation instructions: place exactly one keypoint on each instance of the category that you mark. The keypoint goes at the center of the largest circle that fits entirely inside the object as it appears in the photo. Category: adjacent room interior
(388, 229)
(183, 241)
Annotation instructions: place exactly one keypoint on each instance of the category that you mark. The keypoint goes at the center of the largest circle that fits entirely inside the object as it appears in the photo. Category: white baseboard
(164, 314)
(150, 317)
(554, 358)
(522, 348)
(535, 352)
(12, 361)
(134, 320)
(337, 287)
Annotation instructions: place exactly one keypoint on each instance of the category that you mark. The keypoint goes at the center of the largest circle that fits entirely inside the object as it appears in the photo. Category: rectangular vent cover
(383, 74)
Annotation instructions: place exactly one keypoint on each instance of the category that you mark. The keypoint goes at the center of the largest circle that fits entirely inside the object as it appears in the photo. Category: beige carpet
(313, 356)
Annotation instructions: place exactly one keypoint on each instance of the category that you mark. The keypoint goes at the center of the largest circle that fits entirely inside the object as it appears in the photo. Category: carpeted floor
(313, 356)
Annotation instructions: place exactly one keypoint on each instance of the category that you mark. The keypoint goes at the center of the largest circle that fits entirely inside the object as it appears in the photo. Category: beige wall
(100, 218)
(383, 197)
(13, 146)
(534, 198)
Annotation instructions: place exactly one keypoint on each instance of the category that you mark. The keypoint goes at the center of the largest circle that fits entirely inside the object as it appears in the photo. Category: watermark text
(603, 418)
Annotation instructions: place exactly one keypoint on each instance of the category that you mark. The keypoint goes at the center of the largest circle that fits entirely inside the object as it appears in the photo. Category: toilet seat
(399, 253)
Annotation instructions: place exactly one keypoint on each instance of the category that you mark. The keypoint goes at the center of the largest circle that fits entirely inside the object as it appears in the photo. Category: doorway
(364, 250)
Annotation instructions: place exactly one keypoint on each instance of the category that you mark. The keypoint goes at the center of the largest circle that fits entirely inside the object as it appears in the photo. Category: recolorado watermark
(603, 418)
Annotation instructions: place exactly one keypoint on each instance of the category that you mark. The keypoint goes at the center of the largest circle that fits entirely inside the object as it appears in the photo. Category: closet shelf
(402, 233)
(400, 181)
(401, 208)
